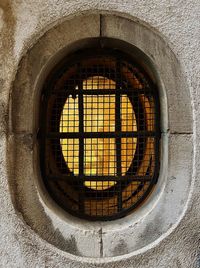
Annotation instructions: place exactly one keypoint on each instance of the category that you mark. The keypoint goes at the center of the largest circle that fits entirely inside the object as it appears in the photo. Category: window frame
(53, 77)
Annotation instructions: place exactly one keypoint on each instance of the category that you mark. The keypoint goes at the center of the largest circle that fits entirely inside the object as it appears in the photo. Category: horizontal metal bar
(75, 92)
(76, 135)
(100, 178)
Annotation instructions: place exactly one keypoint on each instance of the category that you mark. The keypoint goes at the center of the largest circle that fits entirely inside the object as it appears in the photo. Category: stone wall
(31, 234)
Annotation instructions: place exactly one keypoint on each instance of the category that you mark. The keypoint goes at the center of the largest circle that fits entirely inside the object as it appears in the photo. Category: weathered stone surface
(54, 42)
(166, 64)
(149, 225)
(42, 219)
(22, 23)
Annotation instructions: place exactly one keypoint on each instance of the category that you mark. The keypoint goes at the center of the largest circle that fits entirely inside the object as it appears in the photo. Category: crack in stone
(101, 243)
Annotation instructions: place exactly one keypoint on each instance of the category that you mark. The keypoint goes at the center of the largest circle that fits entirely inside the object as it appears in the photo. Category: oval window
(99, 147)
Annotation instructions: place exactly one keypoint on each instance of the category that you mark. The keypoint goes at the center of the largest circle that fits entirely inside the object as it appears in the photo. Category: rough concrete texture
(21, 24)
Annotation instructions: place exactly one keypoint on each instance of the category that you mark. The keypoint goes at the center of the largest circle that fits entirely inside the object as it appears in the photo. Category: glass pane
(69, 120)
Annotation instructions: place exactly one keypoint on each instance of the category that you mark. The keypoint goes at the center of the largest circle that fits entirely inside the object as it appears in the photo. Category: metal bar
(74, 71)
(107, 91)
(81, 145)
(81, 137)
(101, 178)
(118, 130)
(128, 134)
(157, 140)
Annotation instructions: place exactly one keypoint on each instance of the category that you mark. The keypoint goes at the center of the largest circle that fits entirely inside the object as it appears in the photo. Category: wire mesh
(101, 136)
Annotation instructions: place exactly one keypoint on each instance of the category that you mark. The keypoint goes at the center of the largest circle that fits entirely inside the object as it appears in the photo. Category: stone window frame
(61, 195)
(147, 226)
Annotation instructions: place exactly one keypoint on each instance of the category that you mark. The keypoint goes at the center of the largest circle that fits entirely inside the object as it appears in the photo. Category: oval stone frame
(165, 207)
(91, 50)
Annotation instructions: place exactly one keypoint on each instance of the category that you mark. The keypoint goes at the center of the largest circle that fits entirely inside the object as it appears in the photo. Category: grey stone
(168, 200)
(172, 80)
(25, 99)
(23, 24)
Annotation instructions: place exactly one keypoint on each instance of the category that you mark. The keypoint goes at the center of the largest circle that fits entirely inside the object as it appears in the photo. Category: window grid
(102, 137)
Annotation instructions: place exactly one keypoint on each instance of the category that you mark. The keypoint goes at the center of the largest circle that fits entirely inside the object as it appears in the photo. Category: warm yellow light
(99, 116)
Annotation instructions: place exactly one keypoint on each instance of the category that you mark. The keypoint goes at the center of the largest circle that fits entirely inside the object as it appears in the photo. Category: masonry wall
(22, 25)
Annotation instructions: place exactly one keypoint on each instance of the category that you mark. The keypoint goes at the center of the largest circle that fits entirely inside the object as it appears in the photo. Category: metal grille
(100, 135)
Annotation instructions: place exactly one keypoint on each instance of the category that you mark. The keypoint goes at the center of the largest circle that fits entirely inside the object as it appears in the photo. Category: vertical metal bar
(118, 130)
(81, 139)
(81, 143)
(158, 133)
